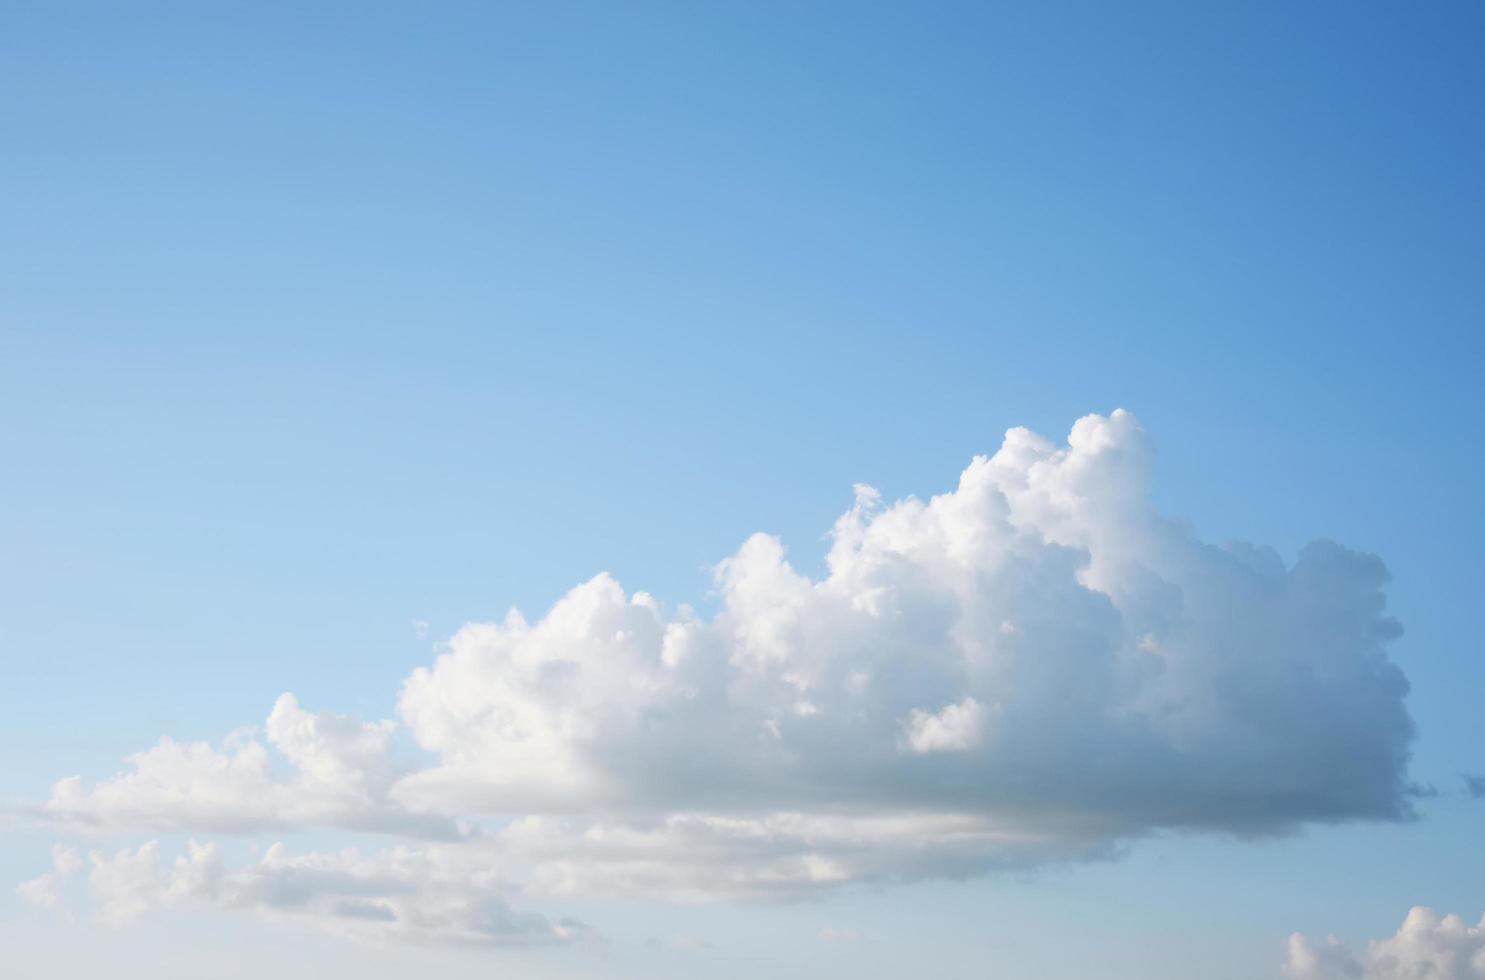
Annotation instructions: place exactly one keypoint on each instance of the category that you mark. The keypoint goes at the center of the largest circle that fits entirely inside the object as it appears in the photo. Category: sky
(989, 490)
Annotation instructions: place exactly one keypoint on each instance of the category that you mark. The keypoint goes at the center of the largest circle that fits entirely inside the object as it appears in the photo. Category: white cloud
(697, 858)
(1032, 667)
(954, 729)
(1147, 679)
(425, 894)
(343, 774)
(45, 891)
(131, 882)
(1426, 947)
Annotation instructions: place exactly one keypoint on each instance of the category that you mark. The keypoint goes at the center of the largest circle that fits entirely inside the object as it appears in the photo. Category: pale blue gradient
(316, 320)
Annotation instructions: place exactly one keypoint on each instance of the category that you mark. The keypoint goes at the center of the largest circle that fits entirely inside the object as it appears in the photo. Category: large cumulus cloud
(1031, 667)
(1037, 647)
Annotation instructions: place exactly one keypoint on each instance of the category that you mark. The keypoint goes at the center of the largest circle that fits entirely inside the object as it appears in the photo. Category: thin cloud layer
(423, 895)
(1426, 947)
(1033, 667)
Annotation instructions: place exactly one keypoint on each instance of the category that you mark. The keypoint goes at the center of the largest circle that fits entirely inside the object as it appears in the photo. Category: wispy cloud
(429, 895)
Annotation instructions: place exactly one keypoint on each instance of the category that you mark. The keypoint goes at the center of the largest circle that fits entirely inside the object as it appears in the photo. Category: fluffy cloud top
(1031, 667)
(342, 769)
(1426, 947)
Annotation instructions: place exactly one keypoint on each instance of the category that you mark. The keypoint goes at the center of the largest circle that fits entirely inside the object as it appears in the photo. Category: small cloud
(421, 627)
(1444, 947)
(830, 934)
(1474, 785)
(45, 891)
(957, 728)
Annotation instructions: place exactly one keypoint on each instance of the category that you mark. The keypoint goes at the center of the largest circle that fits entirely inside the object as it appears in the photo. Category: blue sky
(322, 321)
